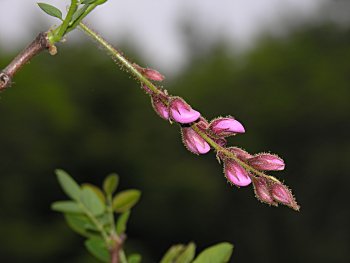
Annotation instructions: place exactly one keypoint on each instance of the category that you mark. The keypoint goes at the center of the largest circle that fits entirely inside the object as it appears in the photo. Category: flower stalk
(238, 171)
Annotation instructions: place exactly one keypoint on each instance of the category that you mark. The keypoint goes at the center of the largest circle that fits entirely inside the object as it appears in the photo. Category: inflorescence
(200, 136)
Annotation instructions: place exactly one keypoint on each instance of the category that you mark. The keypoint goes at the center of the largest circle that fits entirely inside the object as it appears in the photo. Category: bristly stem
(130, 66)
(121, 59)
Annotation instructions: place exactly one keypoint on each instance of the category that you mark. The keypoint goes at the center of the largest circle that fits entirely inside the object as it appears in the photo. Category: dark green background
(77, 111)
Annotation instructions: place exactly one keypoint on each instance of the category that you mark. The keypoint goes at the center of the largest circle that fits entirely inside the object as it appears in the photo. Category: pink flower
(266, 162)
(224, 127)
(283, 195)
(262, 190)
(181, 112)
(194, 142)
(160, 108)
(236, 174)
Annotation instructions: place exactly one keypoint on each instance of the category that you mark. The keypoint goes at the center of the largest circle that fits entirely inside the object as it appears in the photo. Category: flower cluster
(200, 136)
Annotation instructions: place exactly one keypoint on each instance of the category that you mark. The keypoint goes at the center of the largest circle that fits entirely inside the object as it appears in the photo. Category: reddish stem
(39, 44)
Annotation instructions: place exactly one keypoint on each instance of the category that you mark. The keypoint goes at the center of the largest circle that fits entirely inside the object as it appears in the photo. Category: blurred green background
(77, 111)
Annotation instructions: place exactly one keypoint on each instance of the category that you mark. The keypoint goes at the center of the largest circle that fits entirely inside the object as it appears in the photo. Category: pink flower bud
(240, 153)
(262, 190)
(160, 108)
(266, 162)
(181, 112)
(149, 73)
(283, 195)
(236, 174)
(153, 74)
(194, 142)
(224, 127)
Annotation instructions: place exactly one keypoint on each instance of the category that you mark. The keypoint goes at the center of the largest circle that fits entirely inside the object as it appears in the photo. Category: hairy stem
(131, 67)
(39, 44)
(120, 58)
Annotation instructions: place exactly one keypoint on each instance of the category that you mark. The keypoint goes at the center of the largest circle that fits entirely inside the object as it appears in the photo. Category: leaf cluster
(77, 11)
(91, 211)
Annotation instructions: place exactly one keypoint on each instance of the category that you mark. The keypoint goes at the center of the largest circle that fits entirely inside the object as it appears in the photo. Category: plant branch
(131, 67)
(39, 44)
(120, 58)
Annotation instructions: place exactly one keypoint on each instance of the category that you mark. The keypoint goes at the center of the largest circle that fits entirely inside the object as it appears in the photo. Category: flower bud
(283, 195)
(153, 74)
(240, 153)
(160, 108)
(149, 73)
(266, 162)
(262, 190)
(181, 112)
(224, 127)
(236, 174)
(194, 142)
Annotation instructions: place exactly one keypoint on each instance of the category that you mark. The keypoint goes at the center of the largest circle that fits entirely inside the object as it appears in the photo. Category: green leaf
(125, 200)
(172, 253)
(97, 247)
(134, 258)
(50, 10)
(69, 186)
(80, 224)
(219, 253)
(91, 201)
(187, 255)
(110, 184)
(66, 207)
(122, 221)
(97, 191)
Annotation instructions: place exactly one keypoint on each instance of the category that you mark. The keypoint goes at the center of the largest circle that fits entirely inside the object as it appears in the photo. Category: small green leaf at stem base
(69, 186)
(219, 253)
(125, 200)
(51, 10)
(66, 207)
(97, 247)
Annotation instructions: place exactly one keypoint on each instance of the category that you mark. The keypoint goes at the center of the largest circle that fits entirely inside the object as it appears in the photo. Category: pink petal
(236, 174)
(183, 113)
(193, 142)
(226, 126)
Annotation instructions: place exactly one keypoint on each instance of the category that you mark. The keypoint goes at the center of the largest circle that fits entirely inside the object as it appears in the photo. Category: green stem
(58, 34)
(120, 58)
(116, 54)
(86, 12)
(229, 154)
(111, 214)
(97, 224)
